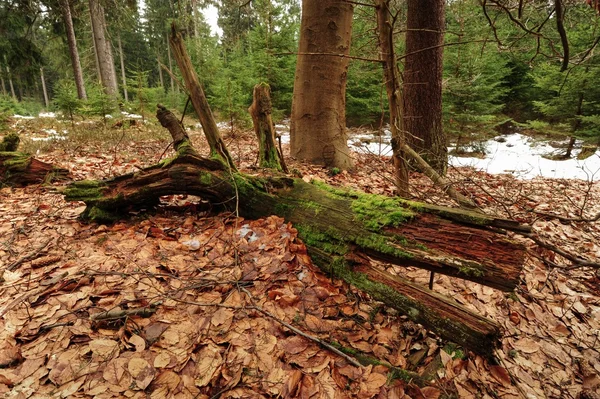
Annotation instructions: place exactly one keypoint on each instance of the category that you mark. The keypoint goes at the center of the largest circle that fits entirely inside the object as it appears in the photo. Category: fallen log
(19, 169)
(342, 230)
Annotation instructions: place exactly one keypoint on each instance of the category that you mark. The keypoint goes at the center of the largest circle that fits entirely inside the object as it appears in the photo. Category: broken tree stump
(18, 169)
(342, 230)
(269, 155)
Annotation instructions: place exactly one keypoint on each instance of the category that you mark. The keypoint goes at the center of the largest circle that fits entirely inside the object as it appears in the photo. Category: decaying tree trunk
(218, 148)
(385, 29)
(342, 230)
(19, 169)
(269, 155)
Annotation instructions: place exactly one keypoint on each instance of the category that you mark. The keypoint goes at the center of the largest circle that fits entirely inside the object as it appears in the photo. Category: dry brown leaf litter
(188, 283)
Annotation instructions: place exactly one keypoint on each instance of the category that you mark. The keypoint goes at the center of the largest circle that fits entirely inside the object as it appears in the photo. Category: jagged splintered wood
(269, 155)
(20, 169)
(343, 230)
(218, 148)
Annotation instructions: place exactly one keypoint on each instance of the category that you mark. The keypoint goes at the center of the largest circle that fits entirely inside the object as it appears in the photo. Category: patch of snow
(52, 135)
(132, 116)
(224, 125)
(108, 116)
(244, 230)
(47, 115)
(192, 245)
(17, 116)
(522, 156)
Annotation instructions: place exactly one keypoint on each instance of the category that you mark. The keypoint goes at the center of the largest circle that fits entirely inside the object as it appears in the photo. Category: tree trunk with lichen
(343, 231)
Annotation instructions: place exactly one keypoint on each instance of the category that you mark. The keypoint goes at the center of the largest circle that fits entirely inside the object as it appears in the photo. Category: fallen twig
(567, 219)
(326, 345)
(577, 261)
(29, 257)
(115, 314)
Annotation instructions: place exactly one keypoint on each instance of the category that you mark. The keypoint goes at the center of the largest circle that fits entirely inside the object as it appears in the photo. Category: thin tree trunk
(318, 120)
(422, 94)
(103, 49)
(160, 72)
(170, 67)
(74, 53)
(97, 61)
(123, 77)
(46, 102)
(3, 84)
(385, 27)
(218, 148)
(10, 82)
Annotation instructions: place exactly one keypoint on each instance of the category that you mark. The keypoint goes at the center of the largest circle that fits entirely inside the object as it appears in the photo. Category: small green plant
(99, 103)
(9, 107)
(334, 171)
(65, 98)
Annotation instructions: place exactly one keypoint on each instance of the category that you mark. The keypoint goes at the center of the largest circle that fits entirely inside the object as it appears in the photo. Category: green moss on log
(10, 143)
(84, 190)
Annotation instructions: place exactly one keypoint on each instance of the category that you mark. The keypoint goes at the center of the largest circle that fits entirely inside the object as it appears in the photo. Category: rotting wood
(340, 227)
(269, 156)
(211, 131)
(18, 169)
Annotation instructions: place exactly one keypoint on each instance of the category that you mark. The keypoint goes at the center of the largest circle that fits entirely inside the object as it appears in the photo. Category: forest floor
(205, 297)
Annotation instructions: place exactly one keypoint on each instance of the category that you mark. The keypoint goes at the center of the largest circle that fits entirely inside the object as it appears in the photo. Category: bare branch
(560, 16)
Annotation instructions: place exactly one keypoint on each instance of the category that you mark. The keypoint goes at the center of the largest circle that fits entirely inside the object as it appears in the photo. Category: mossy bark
(343, 230)
(19, 169)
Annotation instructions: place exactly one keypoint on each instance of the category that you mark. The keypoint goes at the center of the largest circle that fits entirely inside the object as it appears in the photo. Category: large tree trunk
(343, 230)
(72, 42)
(318, 121)
(104, 51)
(423, 81)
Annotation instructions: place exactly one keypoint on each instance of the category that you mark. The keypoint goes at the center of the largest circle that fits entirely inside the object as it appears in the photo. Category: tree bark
(422, 94)
(44, 91)
(170, 66)
(385, 28)
(104, 52)
(19, 170)
(269, 155)
(160, 72)
(123, 77)
(65, 9)
(343, 230)
(318, 120)
(10, 82)
(3, 84)
(211, 131)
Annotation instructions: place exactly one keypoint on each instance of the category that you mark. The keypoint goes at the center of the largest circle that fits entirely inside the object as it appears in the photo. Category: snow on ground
(516, 154)
(523, 156)
(52, 134)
